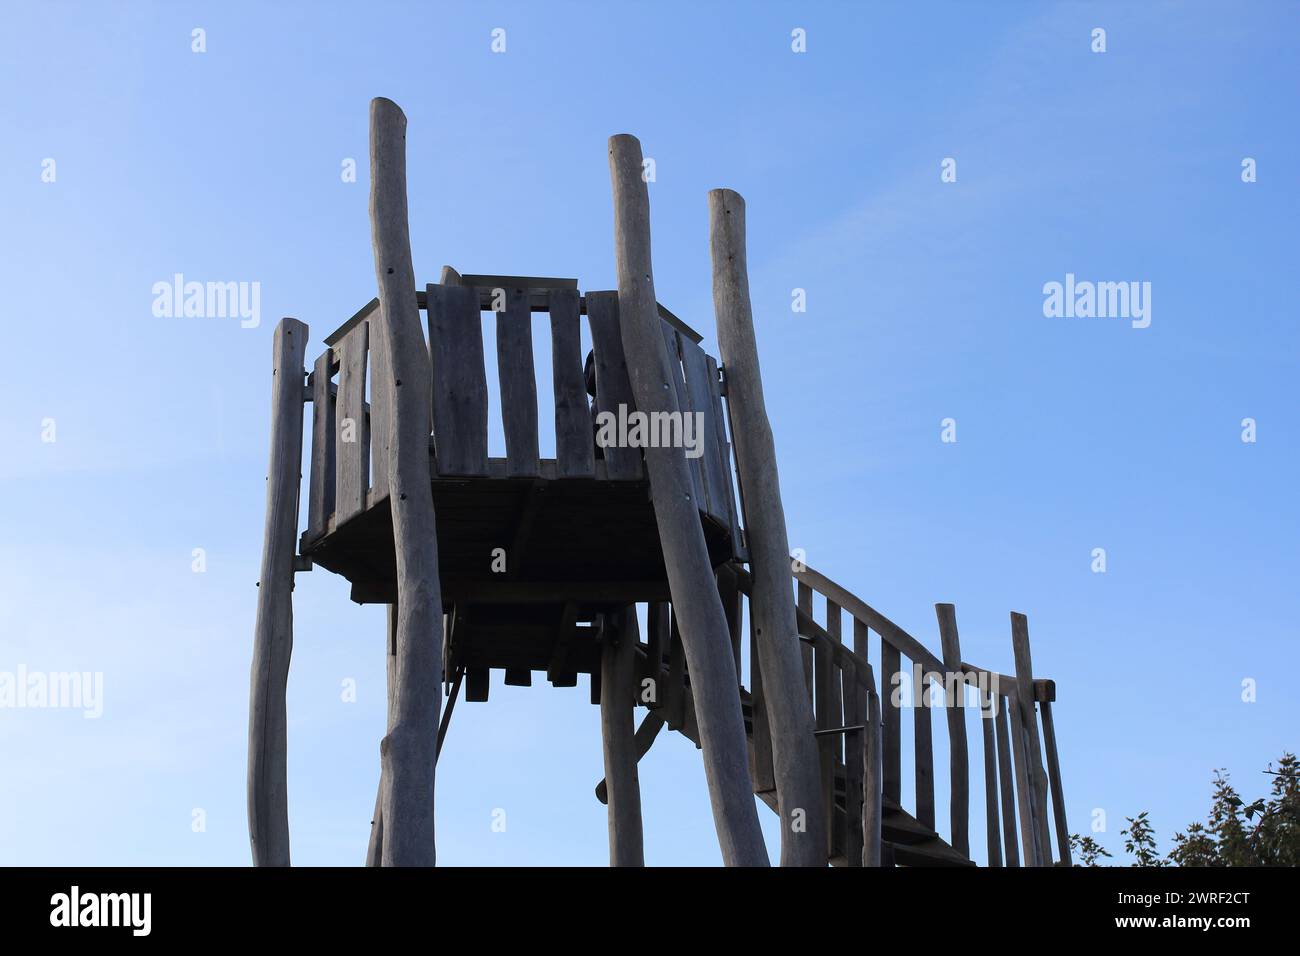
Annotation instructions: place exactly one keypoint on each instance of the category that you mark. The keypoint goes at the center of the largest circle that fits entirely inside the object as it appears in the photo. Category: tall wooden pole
(408, 752)
(618, 735)
(790, 715)
(705, 634)
(268, 788)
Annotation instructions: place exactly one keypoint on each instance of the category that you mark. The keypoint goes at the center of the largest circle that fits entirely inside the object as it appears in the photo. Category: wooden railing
(348, 470)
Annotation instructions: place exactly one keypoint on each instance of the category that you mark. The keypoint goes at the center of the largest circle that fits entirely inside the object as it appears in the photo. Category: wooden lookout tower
(535, 567)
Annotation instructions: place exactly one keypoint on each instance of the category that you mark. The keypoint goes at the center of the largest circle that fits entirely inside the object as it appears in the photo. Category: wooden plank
(891, 728)
(613, 387)
(675, 692)
(701, 391)
(686, 556)
(991, 829)
(1025, 695)
(268, 785)
(1058, 791)
(733, 608)
(656, 647)
(460, 396)
(722, 458)
(381, 395)
(955, 709)
(805, 605)
(574, 447)
(518, 384)
(694, 465)
(827, 715)
(320, 494)
(923, 740)
(1006, 787)
(559, 672)
(1024, 788)
(409, 750)
(478, 684)
(618, 736)
(854, 754)
(834, 630)
(873, 790)
(352, 447)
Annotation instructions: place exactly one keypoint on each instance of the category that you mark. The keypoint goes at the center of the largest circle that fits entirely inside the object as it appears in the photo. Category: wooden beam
(955, 707)
(1058, 792)
(268, 786)
(409, 749)
(790, 716)
(617, 722)
(651, 724)
(1006, 786)
(991, 830)
(703, 624)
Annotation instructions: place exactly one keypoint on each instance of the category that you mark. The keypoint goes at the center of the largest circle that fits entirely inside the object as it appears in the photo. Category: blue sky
(924, 303)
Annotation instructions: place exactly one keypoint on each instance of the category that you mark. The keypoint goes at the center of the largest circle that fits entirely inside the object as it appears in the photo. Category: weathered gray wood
(352, 448)
(674, 695)
(805, 605)
(1024, 785)
(853, 768)
(1025, 696)
(1054, 780)
(703, 624)
(1006, 788)
(826, 715)
(409, 749)
(574, 447)
(377, 429)
(268, 788)
(891, 727)
(700, 392)
(991, 829)
(923, 742)
(794, 751)
(835, 631)
(733, 607)
(320, 493)
(375, 849)
(518, 384)
(958, 755)
(873, 790)
(723, 459)
(656, 646)
(613, 387)
(651, 724)
(460, 396)
(617, 728)
(693, 465)
(763, 771)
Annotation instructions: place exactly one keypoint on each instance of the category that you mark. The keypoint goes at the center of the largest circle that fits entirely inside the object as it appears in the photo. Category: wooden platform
(587, 540)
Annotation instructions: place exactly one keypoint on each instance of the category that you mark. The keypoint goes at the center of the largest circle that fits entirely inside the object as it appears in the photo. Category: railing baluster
(806, 605)
(923, 739)
(955, 704)
(994, 837)
(853, 766)
(1054, 778)
(872, 810)
(320, 495)
(1007, 789)
(352, 454)
(764, 774)
(891, 739)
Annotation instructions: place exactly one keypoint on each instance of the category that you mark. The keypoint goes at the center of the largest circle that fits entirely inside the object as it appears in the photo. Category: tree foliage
(1265, 832)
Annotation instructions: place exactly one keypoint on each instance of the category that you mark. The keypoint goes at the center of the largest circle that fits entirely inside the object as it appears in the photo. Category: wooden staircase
(847, 702)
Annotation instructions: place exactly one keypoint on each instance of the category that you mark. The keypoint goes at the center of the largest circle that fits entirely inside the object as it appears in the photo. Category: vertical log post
(1029, 718)
(789, 710)
(1058, 792)
(408, 752)
(958, 759)
(268, 788)
(617, 730)
(1006, 787)
(873, 783)
(705, 634)
(375, 849)
(991, 829)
